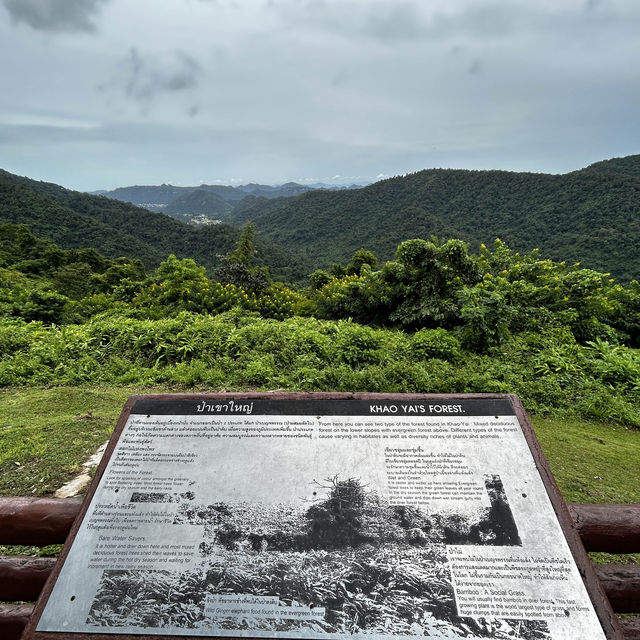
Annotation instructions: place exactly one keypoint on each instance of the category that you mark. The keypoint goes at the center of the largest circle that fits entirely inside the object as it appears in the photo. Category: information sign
(324, 516)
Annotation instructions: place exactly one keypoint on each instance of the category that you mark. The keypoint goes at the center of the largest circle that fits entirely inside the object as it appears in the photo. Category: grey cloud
(405, 22)
(134, 65)
(145, 77)
(378, 21)
(345, 86)
(341, 78)
(484, 20)
(475, 67)
(55, 15)
(398, 22)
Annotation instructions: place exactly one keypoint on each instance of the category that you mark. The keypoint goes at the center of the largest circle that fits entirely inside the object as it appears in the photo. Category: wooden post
(22, 578)
(608, 527)
(621, 583)
(37, 521)
(13, 619)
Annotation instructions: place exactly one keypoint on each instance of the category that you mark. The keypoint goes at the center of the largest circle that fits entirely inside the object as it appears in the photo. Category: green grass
(46, 434)
(591, 461)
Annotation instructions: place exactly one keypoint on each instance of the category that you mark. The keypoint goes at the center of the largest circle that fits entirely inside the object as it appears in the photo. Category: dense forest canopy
(437, 318)
(592, 215)
(76, 220)
(94, 290)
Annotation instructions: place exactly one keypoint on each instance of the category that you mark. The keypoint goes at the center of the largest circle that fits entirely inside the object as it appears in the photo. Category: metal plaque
(324, 516)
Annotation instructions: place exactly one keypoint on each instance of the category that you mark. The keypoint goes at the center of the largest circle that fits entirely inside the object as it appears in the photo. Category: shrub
(337, 521)
(356, 345)
(436, 343)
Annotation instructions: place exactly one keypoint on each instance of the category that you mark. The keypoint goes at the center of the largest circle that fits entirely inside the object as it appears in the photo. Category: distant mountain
(286, 190)
(77, 220)
(335, 187)
(590, 216)
(142, 195)
(178, 202)
(199, 206)
(164, 194)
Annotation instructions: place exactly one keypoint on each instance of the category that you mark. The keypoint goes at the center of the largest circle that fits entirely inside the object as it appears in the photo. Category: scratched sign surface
(320, 519)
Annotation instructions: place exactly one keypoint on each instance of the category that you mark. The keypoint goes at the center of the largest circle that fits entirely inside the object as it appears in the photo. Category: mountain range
(590, 216)
(76, 220)
(207, 203)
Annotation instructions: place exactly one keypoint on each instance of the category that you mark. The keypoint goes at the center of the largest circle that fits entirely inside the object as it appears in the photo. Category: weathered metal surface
(41, 521)
(604, 612)
(23, 578)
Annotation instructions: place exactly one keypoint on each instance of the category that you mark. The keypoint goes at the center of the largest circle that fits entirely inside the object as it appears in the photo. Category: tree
(73, 280)
(235, 268)
(246, 247)
(361, 258)
(178, 285)
(337, 270)
(121, 269)
(336, 521)
(427, 278)
(41, 305)
(319, 278)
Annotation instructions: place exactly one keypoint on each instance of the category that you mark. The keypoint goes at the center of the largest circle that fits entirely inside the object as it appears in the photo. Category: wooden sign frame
(596, 594)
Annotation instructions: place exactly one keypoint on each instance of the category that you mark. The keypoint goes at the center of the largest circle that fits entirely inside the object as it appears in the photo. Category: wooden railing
(43, 521)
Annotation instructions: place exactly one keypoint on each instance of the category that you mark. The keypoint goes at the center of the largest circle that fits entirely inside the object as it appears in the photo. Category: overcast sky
(96, 94)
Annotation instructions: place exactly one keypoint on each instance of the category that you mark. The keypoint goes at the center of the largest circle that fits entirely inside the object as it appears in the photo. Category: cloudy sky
(103, 93)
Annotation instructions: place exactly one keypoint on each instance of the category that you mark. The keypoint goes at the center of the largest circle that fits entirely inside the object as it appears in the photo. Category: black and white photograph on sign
(322, 527)
(345, 562)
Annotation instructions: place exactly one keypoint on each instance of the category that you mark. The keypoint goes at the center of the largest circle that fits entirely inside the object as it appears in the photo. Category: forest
(437, 318)
(589, 216)
(75, 220)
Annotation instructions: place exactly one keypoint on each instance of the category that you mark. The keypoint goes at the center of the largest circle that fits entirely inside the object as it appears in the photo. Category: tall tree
(235, 268)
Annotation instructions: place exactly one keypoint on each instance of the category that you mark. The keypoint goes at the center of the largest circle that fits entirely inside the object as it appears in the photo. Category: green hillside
(628, 165)
(76, 220)
(591, 216)
(199, 202)
(149, 195)
(47, 213)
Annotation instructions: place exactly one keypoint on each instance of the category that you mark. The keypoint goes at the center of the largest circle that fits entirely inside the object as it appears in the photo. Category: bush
(436, 343)
(356, 345)
(337, 521)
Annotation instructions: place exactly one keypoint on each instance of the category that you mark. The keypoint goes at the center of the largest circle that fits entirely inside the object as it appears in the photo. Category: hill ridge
(591, 215)
(76, 220)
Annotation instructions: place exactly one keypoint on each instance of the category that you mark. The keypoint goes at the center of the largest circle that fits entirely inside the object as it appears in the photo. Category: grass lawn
(591, 461)
(46, 434)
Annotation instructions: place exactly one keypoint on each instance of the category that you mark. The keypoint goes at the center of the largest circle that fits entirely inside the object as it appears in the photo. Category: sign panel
(315, 517)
